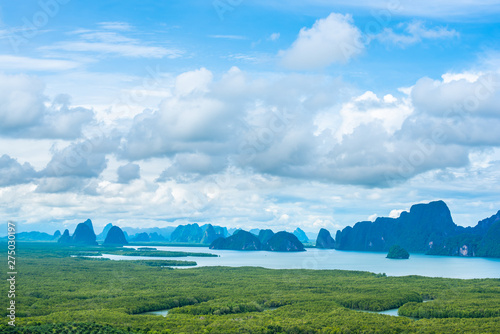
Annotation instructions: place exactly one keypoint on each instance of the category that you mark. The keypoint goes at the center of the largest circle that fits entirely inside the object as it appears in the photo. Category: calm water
(418, 264)
(164, 313)
(393, 312)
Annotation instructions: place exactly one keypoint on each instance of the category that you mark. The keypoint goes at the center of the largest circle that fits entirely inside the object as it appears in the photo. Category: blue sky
(247, 114)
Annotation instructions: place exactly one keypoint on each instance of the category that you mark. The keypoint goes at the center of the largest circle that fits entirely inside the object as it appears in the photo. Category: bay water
(317, 259)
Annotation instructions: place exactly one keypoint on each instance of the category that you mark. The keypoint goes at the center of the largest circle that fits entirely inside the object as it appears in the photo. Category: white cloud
(395, 213)
(468, 76)
(458, 96)
(334, 39)
(21, 101)
(24, 113)
(122, 26)
(257, 141)
(414, 32)
(366, 108)
(254, 57)
(116, 49)
(18, 63)
(186, 164)
(193, 81)
(12, 172)
(128, 172)
(64, 184)
(81, 159)
(207, 126)
(274, 36)
(60, 120)
(112, 43)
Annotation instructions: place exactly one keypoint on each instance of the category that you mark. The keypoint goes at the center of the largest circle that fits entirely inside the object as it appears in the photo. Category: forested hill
(425, 228)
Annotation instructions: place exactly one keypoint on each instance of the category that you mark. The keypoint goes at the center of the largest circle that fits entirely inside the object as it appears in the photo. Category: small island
(397, 252)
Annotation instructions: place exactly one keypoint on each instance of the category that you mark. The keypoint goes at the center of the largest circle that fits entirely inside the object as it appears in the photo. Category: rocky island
(396, 252)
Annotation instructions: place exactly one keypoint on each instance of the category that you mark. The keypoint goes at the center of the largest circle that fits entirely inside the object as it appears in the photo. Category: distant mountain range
(426, 228)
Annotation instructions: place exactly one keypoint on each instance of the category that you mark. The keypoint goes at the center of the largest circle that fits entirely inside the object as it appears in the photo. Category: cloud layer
(334, 39)
(148, 117)
(24, 112)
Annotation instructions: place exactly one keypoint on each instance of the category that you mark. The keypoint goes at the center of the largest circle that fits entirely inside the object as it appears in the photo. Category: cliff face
(115, 236)
(417, 231)
(187, 233)
(301, 235)
(84, 234)
(211, 234)
(426, 228)
(241, 240)
(65, 237)
(490, 244)
(325, 240)
(283, 242)
(265, 235)
(484, 225)
(480, 240)
(104, 233)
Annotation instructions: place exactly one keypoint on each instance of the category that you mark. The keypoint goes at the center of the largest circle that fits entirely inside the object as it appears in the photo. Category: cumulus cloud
(334, 39)
(24, 114)
(250, 141)
(128, 173)
(61, 121)
(366, 108)
(465, 94)
(196, 81)
(191, 120)
(369, 141)
(461, 109)
(292, 126)
(189, 165)
(21, 102)
(12, 172)
(227, 119)
(54, 185)
(81, 159)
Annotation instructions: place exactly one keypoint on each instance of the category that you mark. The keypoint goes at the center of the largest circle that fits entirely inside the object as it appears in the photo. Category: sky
(249, 114)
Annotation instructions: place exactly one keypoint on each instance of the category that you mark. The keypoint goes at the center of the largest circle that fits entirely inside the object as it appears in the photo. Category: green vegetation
(55, 250)
(166, 263)
(152, 253)
(166, 243)
(57, 293)
(66, 328)
(453, 244)
(397, 252)
(490, 245)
